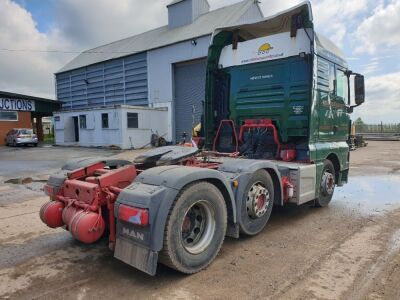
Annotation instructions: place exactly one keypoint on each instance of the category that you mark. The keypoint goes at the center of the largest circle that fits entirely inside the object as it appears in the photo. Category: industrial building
(160, 72)
(23, 111)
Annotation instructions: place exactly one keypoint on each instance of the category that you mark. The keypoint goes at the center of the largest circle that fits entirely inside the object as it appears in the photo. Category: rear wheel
(195, 228)
(257, 203)
(327, 184)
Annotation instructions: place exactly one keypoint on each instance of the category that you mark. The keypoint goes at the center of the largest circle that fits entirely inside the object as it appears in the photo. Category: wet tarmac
(19, 161)
(370, 194)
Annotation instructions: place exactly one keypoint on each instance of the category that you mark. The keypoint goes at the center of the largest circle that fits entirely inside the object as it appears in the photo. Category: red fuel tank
(87, 227)
(51, 214)
(68, 213)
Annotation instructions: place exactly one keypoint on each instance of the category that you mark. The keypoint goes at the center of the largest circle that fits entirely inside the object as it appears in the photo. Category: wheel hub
(257, 200)
(198, 227)
(328, 183)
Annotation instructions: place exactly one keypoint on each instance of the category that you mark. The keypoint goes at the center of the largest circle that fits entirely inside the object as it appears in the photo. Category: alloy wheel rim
(257, 201)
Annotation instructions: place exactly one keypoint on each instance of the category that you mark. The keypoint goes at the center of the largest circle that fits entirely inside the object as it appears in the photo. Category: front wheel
(195, 228)
(257, 203)
(327, 184)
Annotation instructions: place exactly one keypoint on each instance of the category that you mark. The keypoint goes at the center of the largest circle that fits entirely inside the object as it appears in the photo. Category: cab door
(333, 96)
(339, 102)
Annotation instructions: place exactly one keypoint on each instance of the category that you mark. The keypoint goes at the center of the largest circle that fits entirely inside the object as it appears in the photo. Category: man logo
(264, 49)
(132, 233)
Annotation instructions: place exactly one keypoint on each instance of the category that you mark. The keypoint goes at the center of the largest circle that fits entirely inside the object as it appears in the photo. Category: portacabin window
(82, 121)
(104, 120)
(57, 119)
(8, 116)
(133, 120)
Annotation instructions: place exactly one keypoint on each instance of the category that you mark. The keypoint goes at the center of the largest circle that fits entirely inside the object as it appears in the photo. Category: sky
(38, 37)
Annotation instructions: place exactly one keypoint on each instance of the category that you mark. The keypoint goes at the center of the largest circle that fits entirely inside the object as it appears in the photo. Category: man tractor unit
(274, 132)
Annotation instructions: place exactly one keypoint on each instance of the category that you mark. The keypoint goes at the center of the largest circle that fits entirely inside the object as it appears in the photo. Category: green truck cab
(281, 69)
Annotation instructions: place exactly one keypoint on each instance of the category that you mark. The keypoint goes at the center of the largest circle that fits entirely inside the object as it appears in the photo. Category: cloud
(25, 72)
(80, 25)
(370, 68)
(333, 17)
(381, 29)
(382, 99)
(90, 23)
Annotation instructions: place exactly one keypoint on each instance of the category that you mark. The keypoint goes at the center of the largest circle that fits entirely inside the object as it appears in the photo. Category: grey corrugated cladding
(180, 14)
(163, 36)
(252, 14)
(186, 11)
(200, 7)
(119, 81)
(174, 2)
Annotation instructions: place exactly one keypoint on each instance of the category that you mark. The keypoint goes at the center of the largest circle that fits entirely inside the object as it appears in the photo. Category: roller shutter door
(189, 81)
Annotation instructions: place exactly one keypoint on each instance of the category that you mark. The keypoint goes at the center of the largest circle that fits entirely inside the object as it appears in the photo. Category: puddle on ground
(370, 194)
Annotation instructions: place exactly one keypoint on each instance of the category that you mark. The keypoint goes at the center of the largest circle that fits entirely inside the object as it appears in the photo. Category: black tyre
(195, 228)
(14, 144)
(327, 184)
(257, 203)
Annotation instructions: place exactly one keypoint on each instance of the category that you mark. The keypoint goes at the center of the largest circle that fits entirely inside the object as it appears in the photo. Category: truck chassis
(175, 204)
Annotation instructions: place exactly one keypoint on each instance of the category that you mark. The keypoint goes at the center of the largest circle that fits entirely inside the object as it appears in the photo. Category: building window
(104, 120)
(8, 116)
(82, 121)
(133, 120)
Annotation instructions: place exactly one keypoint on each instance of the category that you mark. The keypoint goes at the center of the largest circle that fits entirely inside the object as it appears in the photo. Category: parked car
(21, 136)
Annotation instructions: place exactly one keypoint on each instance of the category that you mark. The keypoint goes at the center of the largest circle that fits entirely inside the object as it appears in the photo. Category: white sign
(17, 104)
(266, 48)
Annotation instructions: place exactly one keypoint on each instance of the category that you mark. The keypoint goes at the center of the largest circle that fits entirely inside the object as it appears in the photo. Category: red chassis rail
(91, 188)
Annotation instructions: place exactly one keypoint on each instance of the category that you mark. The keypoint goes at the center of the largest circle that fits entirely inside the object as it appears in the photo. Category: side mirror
(359, 89)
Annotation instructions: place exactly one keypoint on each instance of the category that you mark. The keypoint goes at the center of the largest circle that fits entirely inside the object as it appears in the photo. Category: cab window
(341, 85)
(332, 78)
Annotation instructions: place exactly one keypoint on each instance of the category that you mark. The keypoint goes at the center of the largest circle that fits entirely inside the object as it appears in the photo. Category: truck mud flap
(137, 256)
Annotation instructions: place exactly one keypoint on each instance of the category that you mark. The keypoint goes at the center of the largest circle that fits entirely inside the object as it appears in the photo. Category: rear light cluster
(51, 191)
(133, 215)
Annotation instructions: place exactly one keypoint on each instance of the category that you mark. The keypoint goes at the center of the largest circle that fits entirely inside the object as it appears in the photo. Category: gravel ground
(349, 250)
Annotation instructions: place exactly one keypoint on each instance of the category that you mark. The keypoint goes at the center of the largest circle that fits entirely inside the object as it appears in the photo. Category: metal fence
(378, 128)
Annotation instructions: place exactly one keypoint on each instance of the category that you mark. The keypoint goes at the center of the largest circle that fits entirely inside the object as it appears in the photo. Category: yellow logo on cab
(264, 49)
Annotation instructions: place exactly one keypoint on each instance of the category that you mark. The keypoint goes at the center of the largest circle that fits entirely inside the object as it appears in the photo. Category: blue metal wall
(118, 81)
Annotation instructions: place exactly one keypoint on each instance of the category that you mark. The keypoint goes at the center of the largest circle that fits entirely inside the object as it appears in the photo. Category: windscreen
(26, 131)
